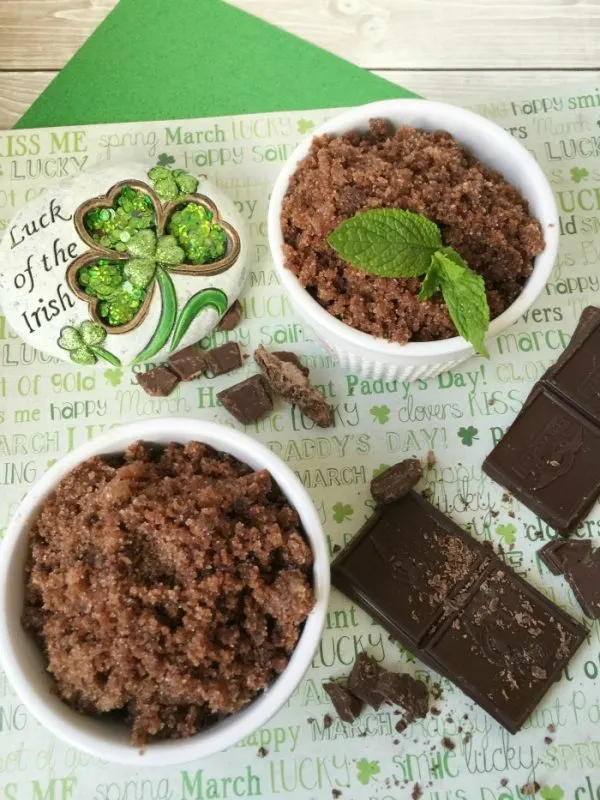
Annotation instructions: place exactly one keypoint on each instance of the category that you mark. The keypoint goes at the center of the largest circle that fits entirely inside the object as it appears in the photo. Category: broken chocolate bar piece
(231, 318)
(248, 401)
(451, 601)
(223, 359)
(158, 381)
(558, 554)
(363, 680)
(405, 691)
(188, 363)
(290, 382)
(550, 460)
(396, 481)
(291, 358)
(345, 703)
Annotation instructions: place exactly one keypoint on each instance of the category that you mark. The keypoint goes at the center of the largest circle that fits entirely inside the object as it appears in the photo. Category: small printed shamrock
(113, 376)
(378, 470)
(406, 653)
(164, 160)
(552, 793)
(507, 533)
(305, 125)
(579, 174)
(84, 343)
(381, 414)
(342, 512)
(468, 435)
(365, 770)
(172, 184)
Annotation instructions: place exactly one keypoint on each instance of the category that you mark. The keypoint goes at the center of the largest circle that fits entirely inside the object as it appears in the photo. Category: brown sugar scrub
(167, 585)
(484, 218)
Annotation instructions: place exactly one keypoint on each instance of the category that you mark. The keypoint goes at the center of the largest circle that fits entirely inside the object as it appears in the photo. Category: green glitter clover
(203, 240)
(113, 227)
(172, 184)
(84, 344)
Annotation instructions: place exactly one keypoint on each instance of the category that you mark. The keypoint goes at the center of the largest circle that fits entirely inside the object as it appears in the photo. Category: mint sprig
(394, 243)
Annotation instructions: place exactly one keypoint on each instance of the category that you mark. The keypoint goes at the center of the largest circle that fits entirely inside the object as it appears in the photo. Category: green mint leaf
(388, 242)
(464, 293)
(432, 281)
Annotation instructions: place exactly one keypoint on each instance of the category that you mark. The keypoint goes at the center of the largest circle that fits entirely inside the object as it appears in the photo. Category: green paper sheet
(174, 59)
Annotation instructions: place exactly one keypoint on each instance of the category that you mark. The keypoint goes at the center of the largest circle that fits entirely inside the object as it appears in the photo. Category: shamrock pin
(552, 793)
(83, 343)
(305, 125)
(113, 376)
(468, 435)
(165, 159)
(137, 243)
(378, 470)
(342, 512)
(579, 174)
(173, 184)
(507, 533)
(381, 414)
(365, 770)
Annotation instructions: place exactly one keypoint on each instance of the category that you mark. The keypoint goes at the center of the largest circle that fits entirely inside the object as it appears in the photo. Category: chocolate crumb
(396, 741)
(417, 792)
(530, 788)
(504, 782)
(551, 728)
(467, 738)
(336, 793)
(431, 459)
(336, 548)
(327, 721)
(435, 711)
(548, 740)
(436, 691)
(262, 752)
(448, 744)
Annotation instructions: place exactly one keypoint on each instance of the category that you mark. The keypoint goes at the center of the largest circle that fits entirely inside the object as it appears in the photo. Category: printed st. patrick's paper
(47, 408)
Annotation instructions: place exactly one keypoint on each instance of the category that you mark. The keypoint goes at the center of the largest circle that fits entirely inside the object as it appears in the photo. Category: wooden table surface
(444, 49)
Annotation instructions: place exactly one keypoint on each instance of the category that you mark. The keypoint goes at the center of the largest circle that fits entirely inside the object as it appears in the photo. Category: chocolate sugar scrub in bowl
(163, 590)
(409, 234)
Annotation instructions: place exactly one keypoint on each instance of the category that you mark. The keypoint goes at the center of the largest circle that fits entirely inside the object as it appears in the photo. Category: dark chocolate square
(158, 381)
(223, 359)
(404, 564)
(507, 644)
(248, 400)
(188, 363)
(550, 460)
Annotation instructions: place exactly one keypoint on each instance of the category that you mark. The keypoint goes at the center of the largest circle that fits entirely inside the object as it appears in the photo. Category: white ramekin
(24, 663)
(378, 358)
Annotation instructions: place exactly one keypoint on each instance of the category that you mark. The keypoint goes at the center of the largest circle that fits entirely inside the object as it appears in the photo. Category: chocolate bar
(550, 456)
(452, 602)
(580, 564)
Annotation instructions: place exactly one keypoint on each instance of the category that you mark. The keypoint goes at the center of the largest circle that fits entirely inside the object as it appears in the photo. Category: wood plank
(461, 87)
(18, 90)
(409, 34)
(44, 34)
(445, 34)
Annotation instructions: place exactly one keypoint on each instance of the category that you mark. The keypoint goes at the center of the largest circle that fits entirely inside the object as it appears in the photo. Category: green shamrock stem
(167, 316)
(207, 298)
(100, 352)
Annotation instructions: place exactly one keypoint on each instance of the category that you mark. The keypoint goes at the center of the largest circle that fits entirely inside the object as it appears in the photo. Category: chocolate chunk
(188, 363)
(248, 401)
(231, 318)
(558, 554)
(396, 481)
(405, 691)
(448, 744)
(550, 460)
(530, 789)
(363, 681)
(223, 359)
(546, 457)
(454, 604)
(327, 721)
(291, 358)
(158, 381)
(345, 703)
(289, 381)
